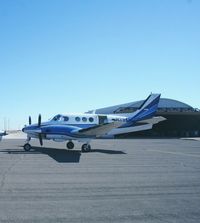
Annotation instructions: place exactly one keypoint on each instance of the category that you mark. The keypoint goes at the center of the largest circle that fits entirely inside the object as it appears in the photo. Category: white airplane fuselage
(76, 121)
(85, 121)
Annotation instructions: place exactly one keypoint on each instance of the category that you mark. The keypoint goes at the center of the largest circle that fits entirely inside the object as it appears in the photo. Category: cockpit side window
(66, 118)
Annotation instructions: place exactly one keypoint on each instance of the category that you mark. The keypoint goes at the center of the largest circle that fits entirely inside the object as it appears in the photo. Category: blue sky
(76, 55)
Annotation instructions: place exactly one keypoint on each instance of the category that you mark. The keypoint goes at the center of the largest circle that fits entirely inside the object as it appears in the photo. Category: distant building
(182, 119)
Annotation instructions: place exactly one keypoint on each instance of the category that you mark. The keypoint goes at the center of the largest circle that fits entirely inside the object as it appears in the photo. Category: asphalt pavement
(139, 180)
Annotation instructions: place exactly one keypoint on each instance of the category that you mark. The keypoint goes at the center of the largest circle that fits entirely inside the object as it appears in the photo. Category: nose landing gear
(27, 147)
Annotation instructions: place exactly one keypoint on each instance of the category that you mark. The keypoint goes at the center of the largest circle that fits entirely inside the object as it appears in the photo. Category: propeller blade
(40, 139)
(29, 120)
(39, 120)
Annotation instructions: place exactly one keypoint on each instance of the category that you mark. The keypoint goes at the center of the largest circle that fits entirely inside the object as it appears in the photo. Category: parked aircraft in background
(85, 127)
(2, 133)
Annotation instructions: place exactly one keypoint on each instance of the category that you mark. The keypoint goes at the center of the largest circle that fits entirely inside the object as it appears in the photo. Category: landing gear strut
(27, 146)
(86, 148)
(70, 145)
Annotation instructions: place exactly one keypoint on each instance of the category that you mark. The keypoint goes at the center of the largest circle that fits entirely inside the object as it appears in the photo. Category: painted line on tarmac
(193, 139)
(175, 153)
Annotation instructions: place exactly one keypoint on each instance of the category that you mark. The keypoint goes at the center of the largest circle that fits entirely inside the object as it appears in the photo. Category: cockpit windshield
(60, 118)
(57, 118)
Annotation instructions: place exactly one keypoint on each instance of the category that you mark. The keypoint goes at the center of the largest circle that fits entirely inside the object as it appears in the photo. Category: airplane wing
(99, 130)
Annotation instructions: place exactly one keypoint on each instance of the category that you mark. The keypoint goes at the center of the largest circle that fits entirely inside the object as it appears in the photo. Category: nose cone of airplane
(31, 129)
(24, 129)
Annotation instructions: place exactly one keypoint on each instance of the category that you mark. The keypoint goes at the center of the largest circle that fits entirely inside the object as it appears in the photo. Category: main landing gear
(85, 147)
(70, 145)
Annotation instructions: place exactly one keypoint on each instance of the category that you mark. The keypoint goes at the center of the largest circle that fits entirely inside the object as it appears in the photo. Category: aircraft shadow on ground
(60, 155)
(65, 152)
(107, 151)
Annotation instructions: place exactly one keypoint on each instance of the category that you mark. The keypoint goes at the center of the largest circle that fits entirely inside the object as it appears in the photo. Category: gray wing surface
(99, 130)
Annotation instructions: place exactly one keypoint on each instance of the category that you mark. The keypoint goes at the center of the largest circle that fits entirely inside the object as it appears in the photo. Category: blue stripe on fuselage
(82, 126)
(61, 130)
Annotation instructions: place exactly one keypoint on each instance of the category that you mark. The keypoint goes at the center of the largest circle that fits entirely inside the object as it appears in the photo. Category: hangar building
(182, 119)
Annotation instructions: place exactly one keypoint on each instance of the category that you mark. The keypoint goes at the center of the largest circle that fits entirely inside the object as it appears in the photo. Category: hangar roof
(164, 103)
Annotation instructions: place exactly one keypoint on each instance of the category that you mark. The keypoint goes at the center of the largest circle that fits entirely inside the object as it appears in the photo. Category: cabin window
(91, 119)
(66, 118)
(84, 119)
(77, 119)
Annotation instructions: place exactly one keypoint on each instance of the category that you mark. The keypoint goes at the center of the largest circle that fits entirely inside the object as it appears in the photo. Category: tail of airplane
(147, 110)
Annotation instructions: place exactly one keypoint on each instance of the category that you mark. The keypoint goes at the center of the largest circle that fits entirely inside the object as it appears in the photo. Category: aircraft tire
(27, 147)
(86, 148)
(70, 145)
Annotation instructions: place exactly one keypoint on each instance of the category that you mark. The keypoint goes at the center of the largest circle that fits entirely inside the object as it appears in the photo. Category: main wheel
(70, 145)
(86, 148)
(27, 147)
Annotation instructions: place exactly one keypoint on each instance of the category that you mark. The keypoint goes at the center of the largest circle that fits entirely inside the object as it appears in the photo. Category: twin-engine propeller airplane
(85, 127)
(2, 133)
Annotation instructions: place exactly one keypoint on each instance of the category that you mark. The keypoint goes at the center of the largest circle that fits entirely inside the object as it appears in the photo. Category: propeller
(29, 120)
(39, 120)
(40, 139)
(39, 134)
(39, 124)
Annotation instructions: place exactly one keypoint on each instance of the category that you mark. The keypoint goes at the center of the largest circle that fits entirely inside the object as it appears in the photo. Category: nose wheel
(27, 147)
(86, 148)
